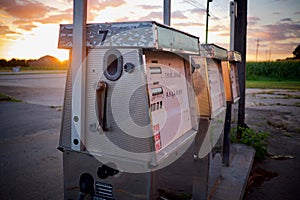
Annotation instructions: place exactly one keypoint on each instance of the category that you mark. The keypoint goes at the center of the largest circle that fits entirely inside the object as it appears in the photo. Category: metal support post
(207, 15)
(227, 125)
(167, 12)
(227, 141)
(78, 72)
(240, 46)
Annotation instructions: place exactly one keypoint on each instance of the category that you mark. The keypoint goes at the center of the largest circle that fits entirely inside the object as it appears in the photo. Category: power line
(214, 18)
(221, 8)
(195, 4)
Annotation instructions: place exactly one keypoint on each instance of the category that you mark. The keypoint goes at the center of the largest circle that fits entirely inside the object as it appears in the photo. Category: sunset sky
(29, 28)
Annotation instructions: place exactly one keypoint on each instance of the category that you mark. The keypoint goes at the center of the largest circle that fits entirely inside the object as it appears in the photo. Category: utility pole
(240, 46)
(207, 15)
(232, 14)
(167, 12)
(257, 45)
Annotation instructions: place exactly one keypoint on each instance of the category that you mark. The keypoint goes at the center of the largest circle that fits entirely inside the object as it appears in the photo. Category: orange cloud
(189, 24)
(24, 24)
(95, 6)
(27, 27)
(25, 9)
(102, 4)
(217, 28)
(6, 30)
(149, 7)
(152, 16)
(54, 19)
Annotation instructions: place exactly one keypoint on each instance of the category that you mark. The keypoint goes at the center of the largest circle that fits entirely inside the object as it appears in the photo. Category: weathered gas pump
(139, 119)
(210, 93)
(230, 76)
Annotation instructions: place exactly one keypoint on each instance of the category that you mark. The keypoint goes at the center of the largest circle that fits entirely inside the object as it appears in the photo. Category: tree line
(15, 62)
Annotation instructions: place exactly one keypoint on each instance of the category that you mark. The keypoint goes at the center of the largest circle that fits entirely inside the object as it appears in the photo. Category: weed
(58, 108)
(4, 97)
(258, 140)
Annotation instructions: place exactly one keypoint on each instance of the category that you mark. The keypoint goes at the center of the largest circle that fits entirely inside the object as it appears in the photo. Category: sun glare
(41, 41)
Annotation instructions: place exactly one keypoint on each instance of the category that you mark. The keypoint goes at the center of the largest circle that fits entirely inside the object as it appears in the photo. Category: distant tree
(17, 62)
(3, 63)
(296, 52)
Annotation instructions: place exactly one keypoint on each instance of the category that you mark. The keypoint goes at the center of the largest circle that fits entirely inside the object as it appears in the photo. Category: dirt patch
(258, 176)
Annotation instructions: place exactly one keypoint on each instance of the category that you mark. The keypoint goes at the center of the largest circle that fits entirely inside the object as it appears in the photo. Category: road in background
(42, 89)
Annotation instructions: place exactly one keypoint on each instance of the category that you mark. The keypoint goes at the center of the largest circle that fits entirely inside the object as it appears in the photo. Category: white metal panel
(78, 73)
(120, 140)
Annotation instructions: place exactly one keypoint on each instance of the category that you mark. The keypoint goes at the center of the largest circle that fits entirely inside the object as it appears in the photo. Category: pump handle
(101, 96)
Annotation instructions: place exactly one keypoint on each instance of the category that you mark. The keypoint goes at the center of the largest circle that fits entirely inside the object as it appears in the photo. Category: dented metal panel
(144, 34)
(171, 40)
(213, 51)
(234, 56)
(131, 34)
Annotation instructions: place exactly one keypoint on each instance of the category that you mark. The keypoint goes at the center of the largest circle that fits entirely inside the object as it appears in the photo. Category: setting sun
(42, 41)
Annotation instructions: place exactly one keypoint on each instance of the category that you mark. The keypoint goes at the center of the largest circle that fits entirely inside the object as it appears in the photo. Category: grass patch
(4, 97)
(267, 84)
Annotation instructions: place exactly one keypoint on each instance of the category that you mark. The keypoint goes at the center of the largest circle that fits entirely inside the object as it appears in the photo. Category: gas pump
(137, 120)
(210, 94)
(231, 82)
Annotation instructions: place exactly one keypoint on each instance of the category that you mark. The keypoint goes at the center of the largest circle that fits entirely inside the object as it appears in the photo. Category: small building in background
(16, 69)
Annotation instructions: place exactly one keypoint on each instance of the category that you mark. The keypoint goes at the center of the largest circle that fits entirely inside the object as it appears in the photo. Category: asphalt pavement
(30, 164)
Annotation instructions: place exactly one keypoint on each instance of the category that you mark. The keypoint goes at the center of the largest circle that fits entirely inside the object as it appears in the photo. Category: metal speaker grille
(65, 134)
(100, 141)
(103, 191)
